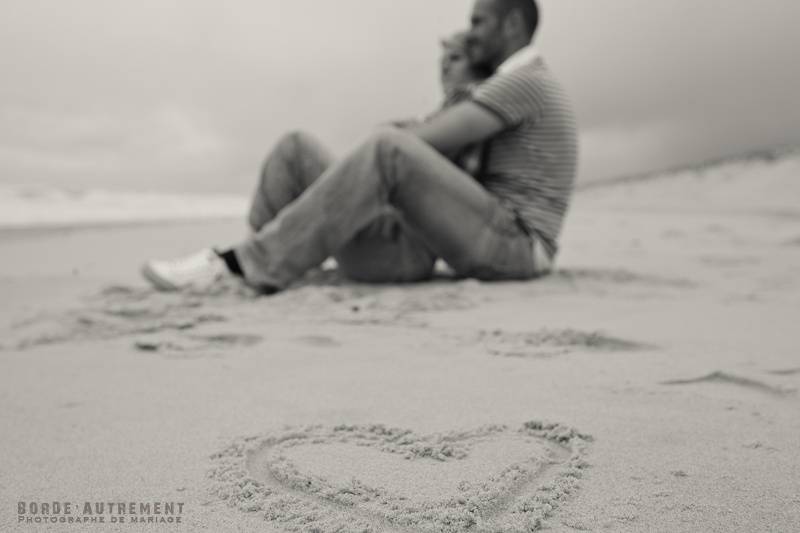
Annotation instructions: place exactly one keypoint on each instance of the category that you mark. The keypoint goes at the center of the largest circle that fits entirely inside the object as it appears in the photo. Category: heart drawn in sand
(373, 478)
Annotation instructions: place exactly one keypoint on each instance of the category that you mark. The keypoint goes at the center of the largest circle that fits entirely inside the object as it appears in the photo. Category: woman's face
(455, 67)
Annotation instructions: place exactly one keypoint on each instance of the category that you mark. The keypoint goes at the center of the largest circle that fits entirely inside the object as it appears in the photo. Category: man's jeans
(386, 213)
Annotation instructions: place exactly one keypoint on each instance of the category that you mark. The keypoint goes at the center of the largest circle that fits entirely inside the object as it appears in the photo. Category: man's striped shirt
(531, 164)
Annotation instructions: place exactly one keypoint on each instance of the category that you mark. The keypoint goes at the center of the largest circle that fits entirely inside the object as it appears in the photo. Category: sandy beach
(650, 384)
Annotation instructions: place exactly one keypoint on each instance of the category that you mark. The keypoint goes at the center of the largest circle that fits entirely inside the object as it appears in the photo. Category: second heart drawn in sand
(374, 478)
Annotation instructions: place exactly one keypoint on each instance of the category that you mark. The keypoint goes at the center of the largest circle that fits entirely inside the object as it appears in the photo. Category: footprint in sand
(372, 478)
(116, 312)
(545, 343)
(728, 261)
(717, 229)
(786, 372)
(673, 233)
(319, 341)
(725, 378)
(194, 346)
(620, 277)
(229, 339)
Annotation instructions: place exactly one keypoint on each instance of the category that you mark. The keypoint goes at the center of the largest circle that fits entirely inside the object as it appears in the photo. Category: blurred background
(188, 95)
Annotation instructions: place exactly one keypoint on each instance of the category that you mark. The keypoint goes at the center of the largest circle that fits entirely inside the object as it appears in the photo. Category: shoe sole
(156, 280)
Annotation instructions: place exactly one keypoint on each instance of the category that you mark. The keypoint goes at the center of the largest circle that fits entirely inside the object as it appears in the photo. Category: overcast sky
(190, 94)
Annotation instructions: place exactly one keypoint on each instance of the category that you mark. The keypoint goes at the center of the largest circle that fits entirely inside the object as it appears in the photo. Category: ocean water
(28, 206)
(757, 181)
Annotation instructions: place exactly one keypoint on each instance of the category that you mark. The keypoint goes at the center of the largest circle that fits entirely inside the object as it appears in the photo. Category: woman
(459, 78)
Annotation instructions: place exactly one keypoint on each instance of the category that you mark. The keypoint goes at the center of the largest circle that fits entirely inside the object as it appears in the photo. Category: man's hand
(458, 126)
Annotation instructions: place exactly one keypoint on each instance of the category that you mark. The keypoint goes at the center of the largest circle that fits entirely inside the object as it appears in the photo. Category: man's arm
(458, 126)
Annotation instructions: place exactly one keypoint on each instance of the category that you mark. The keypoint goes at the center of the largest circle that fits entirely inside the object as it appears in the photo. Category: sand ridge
(726, 378)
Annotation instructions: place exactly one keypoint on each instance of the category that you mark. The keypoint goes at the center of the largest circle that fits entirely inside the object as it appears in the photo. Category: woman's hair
(458, 41)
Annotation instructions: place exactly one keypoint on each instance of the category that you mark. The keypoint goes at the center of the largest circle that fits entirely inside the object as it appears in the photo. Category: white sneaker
(197, 272)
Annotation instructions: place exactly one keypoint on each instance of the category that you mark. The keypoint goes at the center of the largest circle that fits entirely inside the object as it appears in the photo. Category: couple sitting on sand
(414, 193)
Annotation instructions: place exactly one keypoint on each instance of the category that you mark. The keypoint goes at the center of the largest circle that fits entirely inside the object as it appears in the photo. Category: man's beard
(486, 62)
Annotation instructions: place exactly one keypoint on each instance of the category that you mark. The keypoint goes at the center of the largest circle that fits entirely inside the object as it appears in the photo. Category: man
(394, 205)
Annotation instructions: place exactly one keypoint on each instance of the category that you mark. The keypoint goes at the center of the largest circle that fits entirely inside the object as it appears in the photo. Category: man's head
(498, 28)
